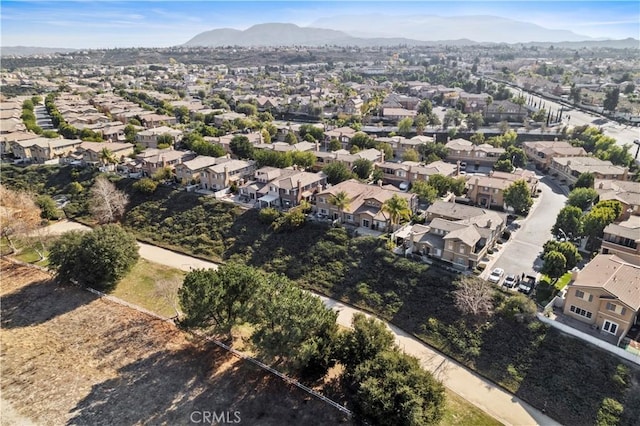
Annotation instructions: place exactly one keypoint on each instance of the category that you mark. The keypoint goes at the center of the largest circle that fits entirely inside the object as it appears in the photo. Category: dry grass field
(69, 357)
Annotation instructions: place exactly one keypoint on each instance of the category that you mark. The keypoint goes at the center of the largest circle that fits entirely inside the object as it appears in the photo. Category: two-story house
(188, 172)
(626, 192)
(408, 172)
(149, 138)
(91, 152)
(568, 169)
(343, 156)
(44, 150)
(364, 207)
(505, 111)
(226, 172)
(284, 188)
(606, 295)
(623, 240)
(151, 160)
(488, 191)
(478, 155)
(542, 152)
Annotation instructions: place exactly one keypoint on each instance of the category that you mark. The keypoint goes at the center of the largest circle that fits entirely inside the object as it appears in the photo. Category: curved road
(502, 405)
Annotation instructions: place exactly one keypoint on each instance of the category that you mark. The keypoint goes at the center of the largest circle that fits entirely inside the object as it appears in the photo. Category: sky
(163, 23)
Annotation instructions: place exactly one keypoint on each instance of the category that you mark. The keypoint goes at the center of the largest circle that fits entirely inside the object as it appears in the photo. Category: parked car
(511, 280)
(527, 285)
(496, 275)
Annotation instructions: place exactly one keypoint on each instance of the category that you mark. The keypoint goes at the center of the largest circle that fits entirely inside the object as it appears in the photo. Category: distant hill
(479, 28)
(627, 43)
(31, 50)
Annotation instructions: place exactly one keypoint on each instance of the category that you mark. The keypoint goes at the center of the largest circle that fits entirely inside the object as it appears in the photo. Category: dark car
(527, 285)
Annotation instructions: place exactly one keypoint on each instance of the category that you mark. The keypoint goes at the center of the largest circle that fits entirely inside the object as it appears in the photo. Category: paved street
(521, 252)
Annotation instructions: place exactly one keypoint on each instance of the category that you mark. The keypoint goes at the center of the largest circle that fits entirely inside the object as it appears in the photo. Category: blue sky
(106, 24)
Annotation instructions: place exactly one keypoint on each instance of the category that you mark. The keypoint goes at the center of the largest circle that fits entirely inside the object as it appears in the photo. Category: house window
(580, 294)
(461, 249)
(610, 327)
(323, 211)
(611, 307)
(450, 245)
(580, 311)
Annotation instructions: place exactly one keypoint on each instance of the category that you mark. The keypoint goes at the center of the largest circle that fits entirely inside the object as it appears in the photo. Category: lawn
(459, 412)
(151, 286)
(546, 291)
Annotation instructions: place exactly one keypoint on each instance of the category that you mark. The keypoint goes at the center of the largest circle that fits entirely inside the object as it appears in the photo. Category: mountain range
(370, 30)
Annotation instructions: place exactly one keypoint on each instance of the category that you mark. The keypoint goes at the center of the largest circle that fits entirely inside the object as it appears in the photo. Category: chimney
(317, 146)
(299, 195)
(477, 181)
(601, 185)
(380, 183)
(226, 176)
(574, 274)
(489, 223)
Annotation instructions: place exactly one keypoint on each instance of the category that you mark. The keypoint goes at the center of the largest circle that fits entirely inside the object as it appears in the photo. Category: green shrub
(609, 413)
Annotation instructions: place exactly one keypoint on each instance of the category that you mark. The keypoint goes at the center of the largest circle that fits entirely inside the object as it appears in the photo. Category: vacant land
(70, 357)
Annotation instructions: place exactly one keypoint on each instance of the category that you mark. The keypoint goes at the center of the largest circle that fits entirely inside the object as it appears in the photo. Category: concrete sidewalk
(502, 405)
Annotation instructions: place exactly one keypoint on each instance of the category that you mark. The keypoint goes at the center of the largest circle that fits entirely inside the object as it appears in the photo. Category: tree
(218, 298)
(515, 155)
(337, 172)
(569, 222)
(96, 259)
(386, 149)
(334, 144)
(452, 116)
(363, 168)
(585, 180)
(438, 149)
(475, 120)
(392, 389)
(425, 107)
(48, 208)
(477, 138)
(518, 196)
(247, 109)
(294, 325)
(107, 157)
(107, 203)
(555, 265)
(420, 122)
(582, 198)
(291, 138)
(440, 183)
(614, 205)
(474, 297)
(164, 140)
(410, 154)
(425, 192)
(304, 159)
(241, 147)
(596, 220)
(503, 166)
(575, 94)
(611, 99)
(145, 186)
(405, 126)
(367, 338)
(568, 250)
(341, 201)
(19, 215)
(398, 209)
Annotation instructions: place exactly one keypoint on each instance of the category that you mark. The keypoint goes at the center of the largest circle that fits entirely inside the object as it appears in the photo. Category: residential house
(626, 192)
(151, 160)
(44, 150)
(343, 134)
(407, 172)
(623, 240)
(455, 233)
(157, 120)
(226, 172)
(284, 188)
(568, 169)
(488, 191)
(397, 114)
(188, 172)
(478, 155)
(542, 152)
(606, 295)
(7, 140)
(353, 106)
(90, 152)
(343, 156)
(149, 137)
(220, 119)
(364, 206)
(505, 111)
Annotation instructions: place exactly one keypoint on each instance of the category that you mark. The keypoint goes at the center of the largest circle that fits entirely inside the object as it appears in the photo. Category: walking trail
(502, 405)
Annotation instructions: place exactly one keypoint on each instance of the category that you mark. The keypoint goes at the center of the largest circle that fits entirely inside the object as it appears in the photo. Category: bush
(268, 215)
(146, 186)
(609, 413)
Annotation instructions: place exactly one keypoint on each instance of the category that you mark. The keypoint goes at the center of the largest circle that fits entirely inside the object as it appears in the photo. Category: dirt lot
(69, 357)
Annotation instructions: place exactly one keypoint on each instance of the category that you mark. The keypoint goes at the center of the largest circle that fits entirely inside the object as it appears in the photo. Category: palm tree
(341, 201)
(107, 157)
(398, 209)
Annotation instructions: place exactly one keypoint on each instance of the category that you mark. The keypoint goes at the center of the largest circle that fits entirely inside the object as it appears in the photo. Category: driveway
(502, 405)
(520, 254)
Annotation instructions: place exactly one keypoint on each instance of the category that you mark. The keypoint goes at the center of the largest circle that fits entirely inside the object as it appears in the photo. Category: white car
(496, 275)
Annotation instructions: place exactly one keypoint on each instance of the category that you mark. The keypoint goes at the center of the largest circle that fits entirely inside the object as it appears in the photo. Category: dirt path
(502, 405)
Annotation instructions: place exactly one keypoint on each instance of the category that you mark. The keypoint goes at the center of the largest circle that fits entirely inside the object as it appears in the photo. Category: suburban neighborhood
(480, 204)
